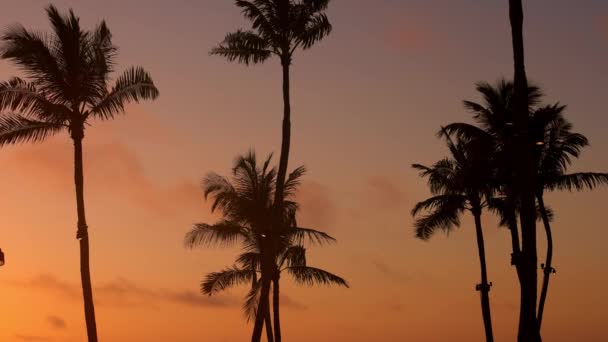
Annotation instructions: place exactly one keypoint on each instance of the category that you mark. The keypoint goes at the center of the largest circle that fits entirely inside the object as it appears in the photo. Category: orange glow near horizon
(367, 102)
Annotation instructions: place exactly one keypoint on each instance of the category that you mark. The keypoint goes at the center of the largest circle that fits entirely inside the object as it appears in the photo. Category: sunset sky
(367, 102)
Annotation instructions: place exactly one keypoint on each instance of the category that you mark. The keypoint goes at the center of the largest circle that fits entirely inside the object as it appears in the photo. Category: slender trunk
(278, 195)
(524, 170)
(268, 322)
(83, 236)
(514, 229)
(263, 307)
(548, 269)
(275, 308)
(484, 287)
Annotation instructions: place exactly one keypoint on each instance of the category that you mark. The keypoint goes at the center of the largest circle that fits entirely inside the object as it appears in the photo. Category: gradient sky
(367, 102)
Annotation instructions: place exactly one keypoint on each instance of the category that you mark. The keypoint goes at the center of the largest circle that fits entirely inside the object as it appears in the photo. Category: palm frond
(252, 300)
(244, 47)
(311, 276)
(16, 129)
(316, 28)
(293, 256)
(132, 86)
(312, 236)
(578, 181)
(223, 233)
(219, 281)
(20, 96)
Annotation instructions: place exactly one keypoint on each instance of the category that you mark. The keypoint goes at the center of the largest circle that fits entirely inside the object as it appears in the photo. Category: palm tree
(279, 27)
(494, 117)
(462, 182)
(68, 74)
(557, 146)
(245, 202)
(524, 183)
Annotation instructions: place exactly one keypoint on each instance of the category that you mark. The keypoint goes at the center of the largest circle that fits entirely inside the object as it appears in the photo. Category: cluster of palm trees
(517, 150)
(67, 86)
(478, 175)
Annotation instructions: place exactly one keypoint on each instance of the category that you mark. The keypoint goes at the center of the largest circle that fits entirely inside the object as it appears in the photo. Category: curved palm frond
(20, 96)
(294, 256)
(244, 47)
(224, 233)
(16, 129)
(315, 28)
(252, 300)
(219, 281)
(578, 181)
(37, 57)
(134, 85)
(438, 202)
(310, 276)
(312, 236)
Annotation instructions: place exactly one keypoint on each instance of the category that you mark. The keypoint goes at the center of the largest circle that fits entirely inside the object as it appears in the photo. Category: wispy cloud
(56, 322)
(32, 338)
(389, 272)
(122, 292)
(317, 208)
(384, 193)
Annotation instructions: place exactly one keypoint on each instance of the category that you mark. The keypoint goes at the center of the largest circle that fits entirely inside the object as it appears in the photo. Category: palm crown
(245, 202)
(279, 27)
(69, 73)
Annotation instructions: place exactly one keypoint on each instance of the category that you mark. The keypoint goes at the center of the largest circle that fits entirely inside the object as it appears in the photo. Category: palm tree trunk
(268, 322)
(524, 170)
(275, 309)
(83, 236)
(513, 228)
(548, 268)
(263, 307)
(278, 195)
(484, 287)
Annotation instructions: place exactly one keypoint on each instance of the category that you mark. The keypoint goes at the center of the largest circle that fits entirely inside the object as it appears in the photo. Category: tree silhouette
(557, 145)
(460, 182)
(524, 184)
(246, 205)
(68, 74)
(279, 27)
(495, 120)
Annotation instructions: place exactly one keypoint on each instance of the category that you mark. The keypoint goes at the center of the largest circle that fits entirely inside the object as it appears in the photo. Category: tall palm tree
(495, 125)
(557, 146)
(68, 87)
(279, 27)
(525, 172)
(462, 182)
(245, 202)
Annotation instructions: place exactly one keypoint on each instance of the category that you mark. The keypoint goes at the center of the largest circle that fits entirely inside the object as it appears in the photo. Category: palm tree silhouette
(460, 182)
(279, 27)
(557, 146)
(245, 202)
(68, 74)
(494, 117)
(524, 184)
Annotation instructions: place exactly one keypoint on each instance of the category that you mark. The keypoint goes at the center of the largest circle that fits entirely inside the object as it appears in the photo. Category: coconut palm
(557, 146)
(459, 183)
(279, 28)
(495, 126)
(68, 86)
(245, 202)
(524, 183)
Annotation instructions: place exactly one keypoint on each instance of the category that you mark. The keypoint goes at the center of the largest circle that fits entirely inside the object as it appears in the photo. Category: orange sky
(367, 102)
